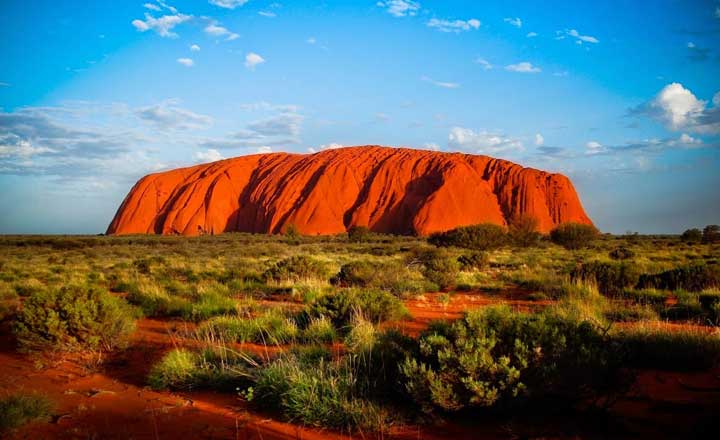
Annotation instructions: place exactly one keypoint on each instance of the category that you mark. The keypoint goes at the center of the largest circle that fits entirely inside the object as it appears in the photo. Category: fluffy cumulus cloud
(482, 142)
(523, 67)
(513, 21)
(456, 26)
(195, 48)
(163, 26)
(679, 109)
(400, 8)
(443, 84)
(228, 4)
(216, 30)
(209, 155)
(187, 62)
(168, 116)
(252, 60)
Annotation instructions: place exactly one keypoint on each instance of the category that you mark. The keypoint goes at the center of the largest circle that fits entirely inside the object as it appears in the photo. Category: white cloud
(594, 147)
(679, 109)
(195, 48)
(686, 139)
(331, 146)
(513, 21)
(311, 40)
(152, 7)
(168, 116)
(162, 26)
(228, 4)
(532, 34)
(482, 142)
(484, 63)
(263, 150)
(445, 85)
(523, 67)
(10, 147)
(187, 62)
(268, 14)
(431, 146)
(209, 155)
(400, 8)
(454, 25)
(539, 139)
(573, 33)
(252, 59)
(214, 29)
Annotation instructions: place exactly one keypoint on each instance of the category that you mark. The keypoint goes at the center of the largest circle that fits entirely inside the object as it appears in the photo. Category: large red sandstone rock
(393, 190)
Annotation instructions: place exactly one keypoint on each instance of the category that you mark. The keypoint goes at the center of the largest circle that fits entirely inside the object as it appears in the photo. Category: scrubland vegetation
(311, 328)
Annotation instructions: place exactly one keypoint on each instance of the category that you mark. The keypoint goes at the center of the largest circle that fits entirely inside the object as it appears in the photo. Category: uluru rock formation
(392, 190)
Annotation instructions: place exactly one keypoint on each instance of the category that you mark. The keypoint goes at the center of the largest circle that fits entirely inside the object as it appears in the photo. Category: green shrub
(523, 231)
(21, 408)
(360, 340)
(175, 370)
(297, 268)
(691, 236)
(610, 278)
(74, 318)
(154, 301)
(359, 234)
(474, 261)
(621, 253)
(485, 236)
(375, 305)
(693, 278)
(356, 274)
(494, 356)
(574, 235)
(711, 234)
(437, 266)
(29, 286)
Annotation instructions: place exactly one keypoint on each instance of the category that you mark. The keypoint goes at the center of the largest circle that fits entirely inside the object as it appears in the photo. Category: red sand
(391, 190)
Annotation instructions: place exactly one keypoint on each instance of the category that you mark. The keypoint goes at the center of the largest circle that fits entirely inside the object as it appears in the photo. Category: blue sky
(623, 97)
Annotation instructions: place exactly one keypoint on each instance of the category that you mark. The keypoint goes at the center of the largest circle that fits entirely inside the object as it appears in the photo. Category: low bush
(74, 318)
(485, 236)
(611, 278)
(437, 266)
(693, 278)
(621, 253)
(494, 356)
(474, 261)
(647, 296)
(297, 268)
(356, 274)
(340, 307)
(711, 234)
(29, 286)
(574, 235)
(523, 231)
(359, 234)
(21, 408)
(691, 236)
(361, 337)
(319, 330)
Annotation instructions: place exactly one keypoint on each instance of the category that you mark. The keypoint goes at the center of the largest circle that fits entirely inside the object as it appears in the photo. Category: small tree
(574, 235)
(359, 234)
(524, 230)
(693, 235)
(711, 234)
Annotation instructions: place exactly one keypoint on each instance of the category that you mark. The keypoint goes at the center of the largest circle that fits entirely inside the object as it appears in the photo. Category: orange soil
(113, 402)
(391, 190)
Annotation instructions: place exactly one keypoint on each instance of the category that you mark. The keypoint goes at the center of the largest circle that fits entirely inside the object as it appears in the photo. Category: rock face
(392, 190)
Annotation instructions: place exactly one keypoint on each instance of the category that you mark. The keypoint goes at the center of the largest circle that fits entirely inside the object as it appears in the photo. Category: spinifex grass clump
(74, 318)
(217, 368)
(340, 307)
(271, 327)
(297, 268)
(21, 408)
